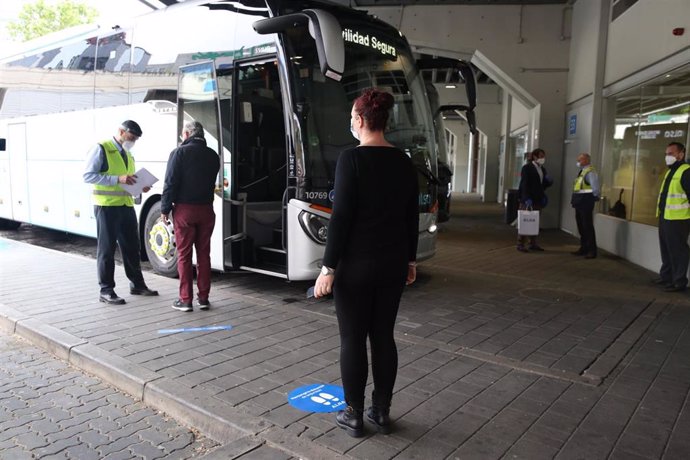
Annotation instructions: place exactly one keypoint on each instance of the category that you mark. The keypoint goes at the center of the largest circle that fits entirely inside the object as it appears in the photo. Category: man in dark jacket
(533, 181)
(188, 191)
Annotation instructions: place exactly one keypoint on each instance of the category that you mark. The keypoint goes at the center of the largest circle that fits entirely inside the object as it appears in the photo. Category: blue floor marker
(195, 329)
(318, 397)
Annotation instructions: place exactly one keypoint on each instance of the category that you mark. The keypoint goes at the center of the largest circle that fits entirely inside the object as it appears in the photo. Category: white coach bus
(272, 82)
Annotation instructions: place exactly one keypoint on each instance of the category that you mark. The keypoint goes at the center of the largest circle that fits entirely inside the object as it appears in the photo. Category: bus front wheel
(159, 240)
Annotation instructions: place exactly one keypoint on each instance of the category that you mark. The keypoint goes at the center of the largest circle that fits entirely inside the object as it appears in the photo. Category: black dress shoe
(661, 281)
(579, 252)
(380, 418)
(590, 256)
(142, 291)
(536, 247)
(674, 288)
(111, 298)
(351, 420)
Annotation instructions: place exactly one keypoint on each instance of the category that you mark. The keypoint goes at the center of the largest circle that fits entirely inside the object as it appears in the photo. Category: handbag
(528, 222)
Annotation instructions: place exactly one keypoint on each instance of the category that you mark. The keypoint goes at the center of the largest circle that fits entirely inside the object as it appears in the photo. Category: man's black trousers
(117, 225)
(673, 242)
(584, 217)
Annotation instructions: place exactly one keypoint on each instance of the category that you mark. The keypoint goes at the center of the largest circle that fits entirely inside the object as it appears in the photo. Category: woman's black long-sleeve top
(375, 210)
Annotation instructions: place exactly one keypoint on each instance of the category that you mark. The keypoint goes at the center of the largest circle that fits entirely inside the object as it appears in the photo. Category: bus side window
(2, 145)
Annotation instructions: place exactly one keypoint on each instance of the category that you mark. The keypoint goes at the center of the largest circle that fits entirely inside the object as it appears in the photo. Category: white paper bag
(528, 222)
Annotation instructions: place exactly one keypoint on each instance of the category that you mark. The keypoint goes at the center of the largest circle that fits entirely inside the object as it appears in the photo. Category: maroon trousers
(193, 227)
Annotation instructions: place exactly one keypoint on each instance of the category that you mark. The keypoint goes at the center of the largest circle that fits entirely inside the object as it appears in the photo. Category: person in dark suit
(534, 180)
(370, 257)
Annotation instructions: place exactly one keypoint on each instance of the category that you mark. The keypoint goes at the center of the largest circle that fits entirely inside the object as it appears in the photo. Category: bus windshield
(375, 56)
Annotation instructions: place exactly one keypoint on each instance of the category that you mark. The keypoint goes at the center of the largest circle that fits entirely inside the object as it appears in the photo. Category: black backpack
(618, 208)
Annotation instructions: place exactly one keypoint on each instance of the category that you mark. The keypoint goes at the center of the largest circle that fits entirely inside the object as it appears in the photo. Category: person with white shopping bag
(533, 182)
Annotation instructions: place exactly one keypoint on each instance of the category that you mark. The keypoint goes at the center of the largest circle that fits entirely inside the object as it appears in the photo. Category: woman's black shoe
(380, 418)
(351, 420)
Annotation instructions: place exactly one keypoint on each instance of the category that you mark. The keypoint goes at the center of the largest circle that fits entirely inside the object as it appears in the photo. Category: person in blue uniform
(108, 165)
(586, 192)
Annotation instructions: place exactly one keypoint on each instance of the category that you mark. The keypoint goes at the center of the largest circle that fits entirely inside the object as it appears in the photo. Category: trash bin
(511, 205)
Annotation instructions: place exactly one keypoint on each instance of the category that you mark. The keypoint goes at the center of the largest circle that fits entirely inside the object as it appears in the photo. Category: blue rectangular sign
(572, 124)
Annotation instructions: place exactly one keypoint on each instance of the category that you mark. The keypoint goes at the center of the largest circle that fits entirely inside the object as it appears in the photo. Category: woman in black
(370, 256)
(533, 182)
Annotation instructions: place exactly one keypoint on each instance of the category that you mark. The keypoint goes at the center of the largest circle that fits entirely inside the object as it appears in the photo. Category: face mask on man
(541, 161)
(128, 145)
(670, 159)
(355, 134)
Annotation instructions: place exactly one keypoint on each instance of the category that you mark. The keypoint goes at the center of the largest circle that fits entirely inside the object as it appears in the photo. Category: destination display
(370, 41)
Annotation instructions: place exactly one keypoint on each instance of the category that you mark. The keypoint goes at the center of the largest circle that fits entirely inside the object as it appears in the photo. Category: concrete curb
(9, 317)
(128, 377)
(51, 339)
(235, 449)
(209, 415)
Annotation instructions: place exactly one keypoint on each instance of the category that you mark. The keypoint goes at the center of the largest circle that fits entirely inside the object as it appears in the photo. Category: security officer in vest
(108, 165)
(673, 210)
(586, 192)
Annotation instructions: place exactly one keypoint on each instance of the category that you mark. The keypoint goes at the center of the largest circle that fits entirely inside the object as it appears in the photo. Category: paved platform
(502, 354)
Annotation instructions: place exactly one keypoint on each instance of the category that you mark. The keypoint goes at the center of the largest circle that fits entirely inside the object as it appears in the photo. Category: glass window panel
(642, 122)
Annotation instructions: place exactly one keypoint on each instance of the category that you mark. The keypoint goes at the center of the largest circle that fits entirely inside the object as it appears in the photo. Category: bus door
(259, 167)
(198, 100)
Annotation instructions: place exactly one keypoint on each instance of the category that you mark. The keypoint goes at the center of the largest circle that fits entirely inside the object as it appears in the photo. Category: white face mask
(670, 159)
(355, 134)
(128, 145)
(541, 161)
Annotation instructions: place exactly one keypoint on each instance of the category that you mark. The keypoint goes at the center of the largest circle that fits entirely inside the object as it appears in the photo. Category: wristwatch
(325, 271)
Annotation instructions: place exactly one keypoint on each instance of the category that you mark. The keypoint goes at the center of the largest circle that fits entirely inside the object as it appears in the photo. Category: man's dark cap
(132, 127)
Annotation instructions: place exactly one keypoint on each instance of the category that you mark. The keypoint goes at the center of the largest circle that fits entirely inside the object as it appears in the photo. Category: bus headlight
(314, 226)
(432, 228)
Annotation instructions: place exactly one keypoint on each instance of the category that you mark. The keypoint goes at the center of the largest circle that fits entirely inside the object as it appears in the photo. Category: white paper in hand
(144, 179)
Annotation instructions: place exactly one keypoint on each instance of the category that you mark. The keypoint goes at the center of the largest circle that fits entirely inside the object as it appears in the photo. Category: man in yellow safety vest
(673, 210)
(585, 194)
(110, 164)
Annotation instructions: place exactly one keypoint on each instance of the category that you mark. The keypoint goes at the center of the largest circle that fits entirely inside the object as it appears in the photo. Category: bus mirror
(470, 84)
(472, 122)
(324, 29)
(2, 145)
(464, 68)
(469, 114)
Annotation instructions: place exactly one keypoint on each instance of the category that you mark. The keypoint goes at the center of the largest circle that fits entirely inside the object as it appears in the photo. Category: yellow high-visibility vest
(580, 186)
(114, 195)
(677, 204)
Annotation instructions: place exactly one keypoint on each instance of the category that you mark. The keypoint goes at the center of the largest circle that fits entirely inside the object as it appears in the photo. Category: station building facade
(608, 77)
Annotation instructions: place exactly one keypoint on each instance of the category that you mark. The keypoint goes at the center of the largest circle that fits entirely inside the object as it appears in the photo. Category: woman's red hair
(373, 105)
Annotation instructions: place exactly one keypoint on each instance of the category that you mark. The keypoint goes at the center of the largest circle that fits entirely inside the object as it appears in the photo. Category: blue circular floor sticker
(318, 397)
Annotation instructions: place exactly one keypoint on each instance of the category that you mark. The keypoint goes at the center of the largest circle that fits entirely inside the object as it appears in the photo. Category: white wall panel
(583, 49)
(643, 36)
